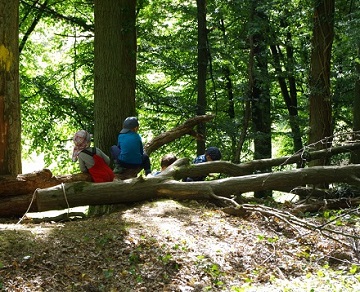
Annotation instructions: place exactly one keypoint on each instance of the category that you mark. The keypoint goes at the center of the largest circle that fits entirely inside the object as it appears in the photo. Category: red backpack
(100, 172)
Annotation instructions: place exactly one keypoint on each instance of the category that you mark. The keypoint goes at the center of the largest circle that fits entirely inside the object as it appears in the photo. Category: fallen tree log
(139, 189)
(25, 184)
(301, 157)
(167, 184)
(16, 192)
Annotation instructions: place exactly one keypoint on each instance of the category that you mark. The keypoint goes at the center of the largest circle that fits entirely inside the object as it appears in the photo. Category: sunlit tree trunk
(115, 68)
(10, 122)
(260, 93)
(320, 96)
(202, 71)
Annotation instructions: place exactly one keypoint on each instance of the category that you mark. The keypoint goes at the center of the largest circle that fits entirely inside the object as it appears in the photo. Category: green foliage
(165, 258)
(55, 96)
(56, 69)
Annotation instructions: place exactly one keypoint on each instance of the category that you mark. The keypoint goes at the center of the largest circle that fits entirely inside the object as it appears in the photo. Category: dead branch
(313, 206)
(293, 221)
(185, 129)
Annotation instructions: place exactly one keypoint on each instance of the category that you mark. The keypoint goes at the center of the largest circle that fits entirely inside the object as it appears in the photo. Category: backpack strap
(88, 152)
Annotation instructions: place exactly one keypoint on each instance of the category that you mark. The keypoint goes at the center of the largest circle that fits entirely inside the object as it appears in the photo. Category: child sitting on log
(91, 160)
(211, 154)
(129, 153)
(165, 162)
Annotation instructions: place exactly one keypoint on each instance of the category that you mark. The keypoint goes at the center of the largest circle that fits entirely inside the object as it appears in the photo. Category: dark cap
(214, 153)
(129, 124)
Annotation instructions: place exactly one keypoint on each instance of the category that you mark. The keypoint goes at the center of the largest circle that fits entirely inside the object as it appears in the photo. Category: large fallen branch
(139, 189)
(185, 129)
(24, 184)
(16, 192)
(167, 184)
(301, 157)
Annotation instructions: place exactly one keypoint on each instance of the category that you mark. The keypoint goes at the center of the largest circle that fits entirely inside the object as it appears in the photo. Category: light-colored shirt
(86, 161)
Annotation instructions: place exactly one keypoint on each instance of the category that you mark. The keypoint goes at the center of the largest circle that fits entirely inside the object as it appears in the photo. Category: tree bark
(139, 189)
(260, 92)
(16, 193)
(10, 122)
(320, 96)
(115, 69)
(202, 57)
(355, 156)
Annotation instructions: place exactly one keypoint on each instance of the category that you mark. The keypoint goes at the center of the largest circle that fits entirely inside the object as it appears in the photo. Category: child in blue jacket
(211, 154)
(129, 152)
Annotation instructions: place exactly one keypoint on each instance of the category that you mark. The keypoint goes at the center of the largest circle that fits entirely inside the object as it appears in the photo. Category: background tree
(10, 124)
(114, 72)
(320, 96)
(355, 157)
(202, 71)
(259, 85)
(352, 16)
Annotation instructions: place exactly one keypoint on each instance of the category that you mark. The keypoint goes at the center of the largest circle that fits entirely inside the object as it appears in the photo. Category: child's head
(167, 160)
(212, 154)
(130, 124)
(81, 140)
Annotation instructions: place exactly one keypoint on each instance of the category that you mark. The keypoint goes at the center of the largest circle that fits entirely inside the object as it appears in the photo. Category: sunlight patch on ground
(282, 197)
(34, 229)
(209, 244)
(178, 223)
(54, 213)
(322, 281)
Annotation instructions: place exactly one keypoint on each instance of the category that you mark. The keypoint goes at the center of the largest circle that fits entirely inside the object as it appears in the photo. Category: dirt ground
(176, 246)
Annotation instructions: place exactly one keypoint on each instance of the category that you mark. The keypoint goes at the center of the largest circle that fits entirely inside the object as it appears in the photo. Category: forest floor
(175, 246)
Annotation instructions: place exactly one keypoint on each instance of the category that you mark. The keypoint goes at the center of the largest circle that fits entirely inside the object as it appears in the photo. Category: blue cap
(129, 124)
(214, 153)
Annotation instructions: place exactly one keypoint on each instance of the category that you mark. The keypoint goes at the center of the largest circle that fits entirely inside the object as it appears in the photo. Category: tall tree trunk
(10, 121)
(320, 96)
(260, 92)
(115, 72)
(202, 71)
(355, 155)
(115, 68)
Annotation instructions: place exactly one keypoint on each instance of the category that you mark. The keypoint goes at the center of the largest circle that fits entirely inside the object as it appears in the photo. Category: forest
(274, 84)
